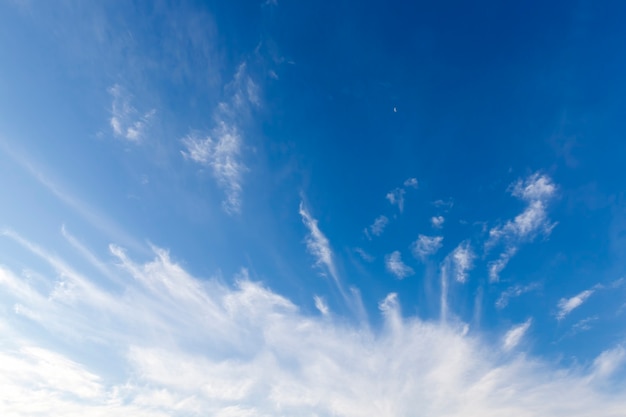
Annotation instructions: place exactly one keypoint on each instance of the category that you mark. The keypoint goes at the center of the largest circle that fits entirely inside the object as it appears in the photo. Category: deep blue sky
(229, 207)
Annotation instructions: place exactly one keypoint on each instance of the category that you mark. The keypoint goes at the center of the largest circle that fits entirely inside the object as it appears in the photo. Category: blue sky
(256, 208)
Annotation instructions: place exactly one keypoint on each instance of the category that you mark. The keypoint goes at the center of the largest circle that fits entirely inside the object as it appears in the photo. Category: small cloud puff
(411, 182)
(396, 198)
(425, 246)
(437, 221)
(394, 264)
(126, 122)
(379, 225)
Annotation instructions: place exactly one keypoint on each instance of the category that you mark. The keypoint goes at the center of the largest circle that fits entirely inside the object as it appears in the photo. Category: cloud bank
(153, 340)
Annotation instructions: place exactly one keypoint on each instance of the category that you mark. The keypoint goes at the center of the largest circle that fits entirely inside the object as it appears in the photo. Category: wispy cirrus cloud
(221, 149)
(410, 182)
(178, 345)
(567, 305)
(514, 291)
(378, 227)
(394, 264)
(513, 337)
(318, 245)
(536, 190)
(126, 121)
(364, 255)
(425, 246)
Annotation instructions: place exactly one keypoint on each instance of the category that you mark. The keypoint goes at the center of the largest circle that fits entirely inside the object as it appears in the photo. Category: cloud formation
(462, 260)
(394, 264)
(425, 246)
(514, 291)
(221, 149)
(126, 122)
(514, 336)
(410, 182)
(176, 345)
(567, 305)
(536, 190)
(377, 228)
(317, 244)
(437, 221)
(396, 197)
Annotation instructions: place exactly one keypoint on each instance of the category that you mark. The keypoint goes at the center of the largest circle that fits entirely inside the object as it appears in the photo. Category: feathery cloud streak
(537, 190)
(221, 150)
(394, 264)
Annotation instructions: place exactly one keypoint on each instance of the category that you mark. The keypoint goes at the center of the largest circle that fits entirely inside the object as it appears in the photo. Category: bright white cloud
(536, 190)
(221, 151)
(126, 122)
(515, 334)
(462, 259)
(394, 264)
(566, 305)
(425, 246)
(317, 244)
(377, 228)
(437, 221)
(168, 344)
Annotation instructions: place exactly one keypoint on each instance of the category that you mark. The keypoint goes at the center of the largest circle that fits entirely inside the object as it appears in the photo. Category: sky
(287, 208)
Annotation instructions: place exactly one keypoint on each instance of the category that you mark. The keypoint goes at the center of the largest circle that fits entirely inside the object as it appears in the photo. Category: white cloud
(514, 291)
(394, 264)
(126, 122)
(317, 243)
(495, 267)
(379, 225)
(536, 190)
(170, 344)
(221, 151)
(437, 221)
(320, 304)
(396, 197)
(425, 246)
(411, 182)
(462, 260)
(608, 362)
(515, 334)
(566, 305)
